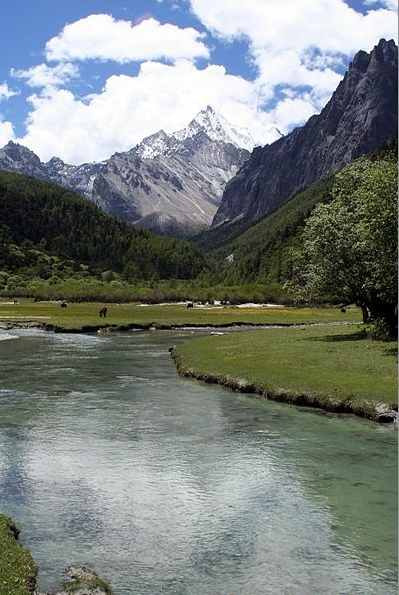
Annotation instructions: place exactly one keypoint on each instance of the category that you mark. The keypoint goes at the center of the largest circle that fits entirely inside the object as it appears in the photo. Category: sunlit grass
(336, 364)
(80, 315)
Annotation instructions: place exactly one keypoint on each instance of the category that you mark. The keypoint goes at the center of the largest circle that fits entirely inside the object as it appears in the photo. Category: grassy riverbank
(335, 368)
(85, 316)
(17, 568)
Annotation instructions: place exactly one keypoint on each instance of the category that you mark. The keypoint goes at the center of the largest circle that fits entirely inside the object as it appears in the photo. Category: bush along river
(164, 485)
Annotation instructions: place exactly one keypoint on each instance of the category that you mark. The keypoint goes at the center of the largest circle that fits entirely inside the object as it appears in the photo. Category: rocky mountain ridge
(167, 183)
(359, 118)
(207, 122)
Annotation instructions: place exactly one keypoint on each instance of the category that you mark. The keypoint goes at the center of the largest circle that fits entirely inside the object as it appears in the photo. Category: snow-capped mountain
(170, 183)
(154, 145)
(208, 122)
(217, 128)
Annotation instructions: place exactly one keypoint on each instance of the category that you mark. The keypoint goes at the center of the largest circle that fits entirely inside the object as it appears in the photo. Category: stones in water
(82, 580)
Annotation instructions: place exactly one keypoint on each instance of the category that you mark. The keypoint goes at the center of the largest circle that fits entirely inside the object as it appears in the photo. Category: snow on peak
(154, 145)
(217, 128)
(208, 121)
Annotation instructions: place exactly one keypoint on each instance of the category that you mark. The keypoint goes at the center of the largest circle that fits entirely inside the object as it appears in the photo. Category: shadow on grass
(359, 336)
(392, 351)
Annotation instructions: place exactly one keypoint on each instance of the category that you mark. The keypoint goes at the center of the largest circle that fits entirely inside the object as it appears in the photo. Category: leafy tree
(350, 244)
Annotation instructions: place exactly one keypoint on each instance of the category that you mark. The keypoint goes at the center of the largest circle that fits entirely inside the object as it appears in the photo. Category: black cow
(190, 305)
(103, 312)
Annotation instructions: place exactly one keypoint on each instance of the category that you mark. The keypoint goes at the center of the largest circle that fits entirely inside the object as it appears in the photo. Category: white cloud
(101, 37)
(6, 133)
(298, 47)
(131, 107)
(295, 110)
(6, 92)
(330, 25)
(282, 35)
(43, 75)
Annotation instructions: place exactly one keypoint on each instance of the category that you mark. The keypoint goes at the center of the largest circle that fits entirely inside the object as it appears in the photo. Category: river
(168, 486)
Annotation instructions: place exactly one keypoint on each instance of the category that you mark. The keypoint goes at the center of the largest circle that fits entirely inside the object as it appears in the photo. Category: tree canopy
(350, 244)
(38, 219)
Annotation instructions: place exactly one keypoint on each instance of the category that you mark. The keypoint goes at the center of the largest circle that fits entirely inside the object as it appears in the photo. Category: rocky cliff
(359, 118)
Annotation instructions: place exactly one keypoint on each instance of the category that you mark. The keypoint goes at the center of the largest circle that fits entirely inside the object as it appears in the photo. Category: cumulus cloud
(6, 133)
(331, 25)
(300, 43)
(6, 92)
(43, 75)
(6, 128)
(130, 107)
(299, 48)
(101, 37)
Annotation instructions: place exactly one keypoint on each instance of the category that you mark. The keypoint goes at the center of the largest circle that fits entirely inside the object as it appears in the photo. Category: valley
(135, 290)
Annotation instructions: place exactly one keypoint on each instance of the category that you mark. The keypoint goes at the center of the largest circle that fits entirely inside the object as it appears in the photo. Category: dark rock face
(359, 118)
(170, 184)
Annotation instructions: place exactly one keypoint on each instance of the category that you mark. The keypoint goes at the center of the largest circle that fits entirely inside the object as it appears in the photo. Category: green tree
(350, 244)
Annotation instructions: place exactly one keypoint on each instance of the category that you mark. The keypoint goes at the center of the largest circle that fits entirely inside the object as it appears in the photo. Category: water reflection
(168, 486)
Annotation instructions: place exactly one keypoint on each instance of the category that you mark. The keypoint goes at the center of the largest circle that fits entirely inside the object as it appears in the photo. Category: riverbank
(105, 448)
(18, 570)
(338, 370)
(84, 317)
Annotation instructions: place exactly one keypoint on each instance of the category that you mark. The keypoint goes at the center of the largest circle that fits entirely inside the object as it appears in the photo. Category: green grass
(17, 567)
(332, 367)
(81, 315)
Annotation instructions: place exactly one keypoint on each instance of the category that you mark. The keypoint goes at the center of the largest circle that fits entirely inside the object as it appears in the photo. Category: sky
(84, 79)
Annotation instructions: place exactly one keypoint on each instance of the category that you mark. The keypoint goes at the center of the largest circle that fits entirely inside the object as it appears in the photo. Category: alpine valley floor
(85, 316)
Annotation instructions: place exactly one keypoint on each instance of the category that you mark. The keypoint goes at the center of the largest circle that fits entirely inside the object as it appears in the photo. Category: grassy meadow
(85, 315)
(337, 368)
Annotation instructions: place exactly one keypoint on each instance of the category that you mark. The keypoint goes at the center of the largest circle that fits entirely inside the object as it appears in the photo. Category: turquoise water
(168, 486)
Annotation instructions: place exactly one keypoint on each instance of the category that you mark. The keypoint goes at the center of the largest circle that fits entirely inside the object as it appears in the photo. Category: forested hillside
(264, 253)
(44, 225)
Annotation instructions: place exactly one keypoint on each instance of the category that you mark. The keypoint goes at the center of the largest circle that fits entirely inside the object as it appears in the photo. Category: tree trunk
(385, 317)
(365, 313)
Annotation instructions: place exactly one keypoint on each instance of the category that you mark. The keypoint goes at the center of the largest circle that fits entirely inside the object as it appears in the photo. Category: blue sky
(117, 70)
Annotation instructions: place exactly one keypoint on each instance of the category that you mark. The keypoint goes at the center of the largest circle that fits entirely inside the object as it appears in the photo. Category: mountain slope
(263, 253)
(359, 118)
(168, 183)
(37, 214)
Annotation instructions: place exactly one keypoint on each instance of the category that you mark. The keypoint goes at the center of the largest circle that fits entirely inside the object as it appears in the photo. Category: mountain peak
(208, 122)
(217, 128)
(360, 118)
(154, 145)
(18, 152)
(55, 161)
(385, 52)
